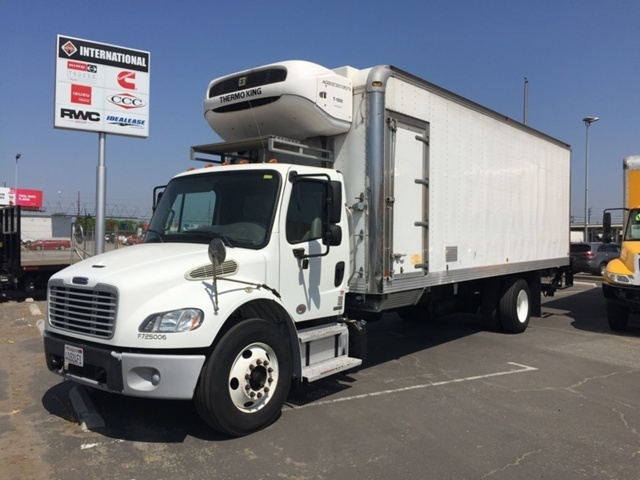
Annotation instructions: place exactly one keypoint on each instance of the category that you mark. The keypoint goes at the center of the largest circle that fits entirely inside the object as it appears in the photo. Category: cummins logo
(126, 101)
(127, 79)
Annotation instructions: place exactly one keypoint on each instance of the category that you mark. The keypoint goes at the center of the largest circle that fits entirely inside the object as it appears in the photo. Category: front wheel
(515, 306)
(246, 380)
(617, 316)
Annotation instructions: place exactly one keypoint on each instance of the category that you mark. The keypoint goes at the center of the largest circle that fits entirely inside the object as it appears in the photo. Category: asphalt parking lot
(438, 400)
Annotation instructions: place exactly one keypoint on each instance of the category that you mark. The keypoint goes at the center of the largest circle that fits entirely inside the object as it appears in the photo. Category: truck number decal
(152, 336)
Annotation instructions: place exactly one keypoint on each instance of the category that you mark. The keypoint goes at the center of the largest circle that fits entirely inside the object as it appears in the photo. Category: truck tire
(514, 308)
(246, 379)
(617, 316)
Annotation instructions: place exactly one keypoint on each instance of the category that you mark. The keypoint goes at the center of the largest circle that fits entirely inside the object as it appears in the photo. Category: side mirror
(78, 233)
(157, 195)
(335, 199)
(332, 236)
(217, 252)
(606, 224)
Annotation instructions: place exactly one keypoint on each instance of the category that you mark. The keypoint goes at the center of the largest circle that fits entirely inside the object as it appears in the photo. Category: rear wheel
(246, 379)
(617, 316)
(515, 306)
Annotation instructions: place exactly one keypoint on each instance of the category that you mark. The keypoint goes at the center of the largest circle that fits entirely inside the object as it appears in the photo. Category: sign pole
(101, 88)
(101, 193)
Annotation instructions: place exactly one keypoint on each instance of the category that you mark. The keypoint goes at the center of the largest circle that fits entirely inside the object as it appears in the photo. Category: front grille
(254, 79)
(86, 311)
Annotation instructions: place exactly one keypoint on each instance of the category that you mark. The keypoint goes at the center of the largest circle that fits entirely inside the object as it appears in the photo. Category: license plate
(73, 355)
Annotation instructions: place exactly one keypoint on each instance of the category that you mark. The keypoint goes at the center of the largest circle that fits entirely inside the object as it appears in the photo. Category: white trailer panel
(467, 193)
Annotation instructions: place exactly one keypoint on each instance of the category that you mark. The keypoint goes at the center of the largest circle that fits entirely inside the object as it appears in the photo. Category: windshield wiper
(214, 234)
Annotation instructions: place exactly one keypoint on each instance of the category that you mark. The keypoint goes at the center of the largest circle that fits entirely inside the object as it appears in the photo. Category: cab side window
(304, 216)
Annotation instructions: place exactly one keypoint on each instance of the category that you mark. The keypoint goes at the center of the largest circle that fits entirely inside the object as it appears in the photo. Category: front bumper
(629, 296)
(148, 375)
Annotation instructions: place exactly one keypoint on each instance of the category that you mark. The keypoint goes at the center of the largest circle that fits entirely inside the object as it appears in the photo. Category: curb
(85, 411)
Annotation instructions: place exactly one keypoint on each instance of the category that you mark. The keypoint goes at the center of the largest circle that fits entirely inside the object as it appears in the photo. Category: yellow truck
(621, 285)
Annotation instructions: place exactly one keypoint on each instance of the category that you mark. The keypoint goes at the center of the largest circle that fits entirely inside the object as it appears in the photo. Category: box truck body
(337, 195)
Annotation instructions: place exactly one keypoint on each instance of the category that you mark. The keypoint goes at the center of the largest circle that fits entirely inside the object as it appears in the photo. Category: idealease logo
(79, 115)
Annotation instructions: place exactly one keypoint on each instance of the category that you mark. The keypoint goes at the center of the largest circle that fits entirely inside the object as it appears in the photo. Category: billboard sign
(29, 199)
(6, 196)
(101, 88)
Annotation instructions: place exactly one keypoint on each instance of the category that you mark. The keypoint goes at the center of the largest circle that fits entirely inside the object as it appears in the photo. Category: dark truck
(24, 272)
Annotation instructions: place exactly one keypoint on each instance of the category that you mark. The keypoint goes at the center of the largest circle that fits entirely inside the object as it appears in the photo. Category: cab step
(324, 350)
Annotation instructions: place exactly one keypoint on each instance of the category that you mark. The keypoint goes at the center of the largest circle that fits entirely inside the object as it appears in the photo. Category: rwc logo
(79, 115)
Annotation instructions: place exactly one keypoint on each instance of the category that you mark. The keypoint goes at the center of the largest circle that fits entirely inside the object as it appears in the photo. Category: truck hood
(161, 277)
(130, 267)
(626, 264)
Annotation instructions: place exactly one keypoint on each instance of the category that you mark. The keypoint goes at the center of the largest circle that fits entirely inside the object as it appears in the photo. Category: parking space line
(520, 369)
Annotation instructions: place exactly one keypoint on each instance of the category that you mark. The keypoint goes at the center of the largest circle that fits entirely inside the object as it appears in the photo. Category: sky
(581, 58)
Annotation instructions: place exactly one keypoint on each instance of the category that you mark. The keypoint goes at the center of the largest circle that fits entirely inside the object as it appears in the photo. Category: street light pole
(15, 185)
(587, 121)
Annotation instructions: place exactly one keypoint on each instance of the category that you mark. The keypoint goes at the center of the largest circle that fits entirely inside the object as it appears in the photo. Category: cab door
(312, 273)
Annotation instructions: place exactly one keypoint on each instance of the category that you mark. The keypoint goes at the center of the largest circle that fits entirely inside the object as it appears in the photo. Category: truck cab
(243, 270)
(621, 285)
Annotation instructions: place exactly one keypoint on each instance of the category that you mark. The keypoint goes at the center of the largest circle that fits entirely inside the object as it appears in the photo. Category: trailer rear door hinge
(424, 139)
(424, 224)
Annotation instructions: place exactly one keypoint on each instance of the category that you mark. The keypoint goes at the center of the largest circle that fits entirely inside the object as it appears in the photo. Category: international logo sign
(98, 82)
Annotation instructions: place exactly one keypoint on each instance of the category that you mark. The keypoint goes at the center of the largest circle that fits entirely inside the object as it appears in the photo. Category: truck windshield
(236, 206)
(633, 226)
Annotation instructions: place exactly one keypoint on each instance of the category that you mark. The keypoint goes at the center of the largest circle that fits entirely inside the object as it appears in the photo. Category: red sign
(29, 198)
(80, 94)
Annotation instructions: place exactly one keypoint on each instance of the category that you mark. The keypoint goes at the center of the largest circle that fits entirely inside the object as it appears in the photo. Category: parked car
(134, 240)
(115, 237)
(592, 257)
(60, 244)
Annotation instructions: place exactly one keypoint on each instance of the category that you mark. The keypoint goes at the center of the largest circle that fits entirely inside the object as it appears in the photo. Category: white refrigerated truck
(336, 195)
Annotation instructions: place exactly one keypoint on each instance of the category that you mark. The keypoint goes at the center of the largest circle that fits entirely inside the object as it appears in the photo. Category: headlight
(619, 278)
(183, 320)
